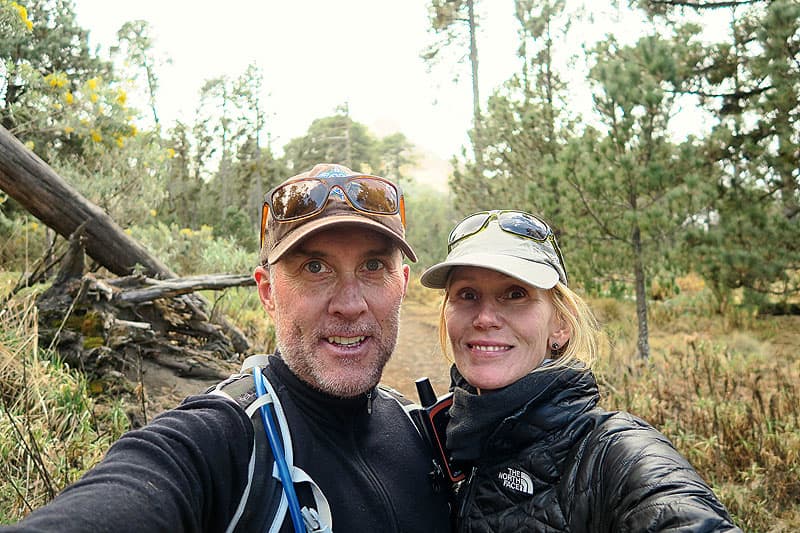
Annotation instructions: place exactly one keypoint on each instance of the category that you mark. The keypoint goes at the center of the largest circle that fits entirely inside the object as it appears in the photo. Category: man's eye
(315, 267)
(373, 264)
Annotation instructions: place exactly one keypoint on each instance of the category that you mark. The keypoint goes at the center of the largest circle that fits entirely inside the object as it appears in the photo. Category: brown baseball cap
(280, 236)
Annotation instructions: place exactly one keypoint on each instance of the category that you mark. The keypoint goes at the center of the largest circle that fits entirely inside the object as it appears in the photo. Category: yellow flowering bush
(56, 80)
(94, 110)
(23, 15)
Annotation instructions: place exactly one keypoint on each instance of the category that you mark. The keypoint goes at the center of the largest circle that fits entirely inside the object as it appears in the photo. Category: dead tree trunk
(45, 194)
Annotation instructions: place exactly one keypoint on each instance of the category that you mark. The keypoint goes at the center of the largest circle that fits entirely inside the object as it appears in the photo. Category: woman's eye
(373, 265)
(467, 294)
(515, 293)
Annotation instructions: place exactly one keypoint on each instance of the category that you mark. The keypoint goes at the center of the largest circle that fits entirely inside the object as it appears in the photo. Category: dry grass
(52, 430)
(725, 390)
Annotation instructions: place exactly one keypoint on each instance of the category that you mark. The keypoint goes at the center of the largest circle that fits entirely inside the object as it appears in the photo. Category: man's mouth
(346, 341)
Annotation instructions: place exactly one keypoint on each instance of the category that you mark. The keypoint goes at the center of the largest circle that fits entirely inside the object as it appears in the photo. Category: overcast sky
(315, 56)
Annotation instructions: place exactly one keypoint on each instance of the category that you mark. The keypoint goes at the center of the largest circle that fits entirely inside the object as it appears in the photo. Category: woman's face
(499, 327)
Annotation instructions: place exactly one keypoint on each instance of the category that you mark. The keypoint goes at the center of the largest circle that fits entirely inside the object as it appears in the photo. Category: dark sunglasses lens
(525, 225)
(298, 199)
(468, 226)
(373, 196)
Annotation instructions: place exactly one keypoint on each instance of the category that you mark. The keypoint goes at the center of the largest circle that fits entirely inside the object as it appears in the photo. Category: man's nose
(348, 298)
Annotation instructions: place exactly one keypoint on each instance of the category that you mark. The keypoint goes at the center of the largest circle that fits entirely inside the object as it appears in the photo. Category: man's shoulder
(394, 394)
(240, 388)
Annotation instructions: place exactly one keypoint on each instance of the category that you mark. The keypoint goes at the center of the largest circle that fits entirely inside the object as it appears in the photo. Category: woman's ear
(560, 332)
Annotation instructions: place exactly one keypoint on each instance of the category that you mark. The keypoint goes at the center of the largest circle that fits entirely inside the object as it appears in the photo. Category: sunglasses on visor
(307, 197)
(517, 223)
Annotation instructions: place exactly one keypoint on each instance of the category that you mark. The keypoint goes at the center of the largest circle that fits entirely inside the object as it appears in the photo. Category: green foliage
(396, 154)
(336, 139)
(748, 234)
(429, 219)
(188, 251)
(136, 47)
(225, 255)
(66, 104)
(14, 21)
(632, 188)
(127, 181)
(525, 125)
(237, 225)
(52, 53)
(747, 247)
(22, 241)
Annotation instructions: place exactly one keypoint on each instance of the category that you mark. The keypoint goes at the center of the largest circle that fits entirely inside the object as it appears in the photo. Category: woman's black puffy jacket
(559, 463)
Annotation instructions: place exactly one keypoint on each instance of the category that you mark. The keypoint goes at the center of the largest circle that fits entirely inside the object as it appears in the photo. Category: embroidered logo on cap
(517, 480)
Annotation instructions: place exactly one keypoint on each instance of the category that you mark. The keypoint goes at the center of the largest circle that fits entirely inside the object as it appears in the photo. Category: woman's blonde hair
(572, 309)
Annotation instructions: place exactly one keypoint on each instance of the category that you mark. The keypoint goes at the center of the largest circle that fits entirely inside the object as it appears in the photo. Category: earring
(555, 346)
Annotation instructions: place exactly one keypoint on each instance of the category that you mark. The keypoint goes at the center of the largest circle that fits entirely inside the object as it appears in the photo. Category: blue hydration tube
(280, 458)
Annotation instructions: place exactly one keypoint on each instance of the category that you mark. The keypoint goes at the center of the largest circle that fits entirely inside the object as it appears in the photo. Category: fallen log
(47, 196)
(107, 326)
(175, 287)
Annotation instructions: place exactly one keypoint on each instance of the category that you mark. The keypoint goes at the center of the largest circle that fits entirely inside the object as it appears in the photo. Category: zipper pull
(465, 492)
(369, 402)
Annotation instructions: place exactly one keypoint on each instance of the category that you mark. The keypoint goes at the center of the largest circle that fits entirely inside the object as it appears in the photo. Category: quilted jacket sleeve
(636, 481)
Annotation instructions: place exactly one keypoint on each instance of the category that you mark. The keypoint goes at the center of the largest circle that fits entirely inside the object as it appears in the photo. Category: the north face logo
(516, 480)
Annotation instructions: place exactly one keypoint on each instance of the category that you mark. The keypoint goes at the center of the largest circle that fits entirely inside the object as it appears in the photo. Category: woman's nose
(487, 317)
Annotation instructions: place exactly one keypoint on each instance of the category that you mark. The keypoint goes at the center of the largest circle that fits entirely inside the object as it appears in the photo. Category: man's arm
(183, 472)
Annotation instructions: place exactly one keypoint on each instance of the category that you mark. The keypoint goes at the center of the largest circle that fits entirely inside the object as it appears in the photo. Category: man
(332, 278)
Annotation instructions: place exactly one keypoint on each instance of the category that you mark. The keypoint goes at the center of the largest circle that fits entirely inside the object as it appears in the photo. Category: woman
(524, 411)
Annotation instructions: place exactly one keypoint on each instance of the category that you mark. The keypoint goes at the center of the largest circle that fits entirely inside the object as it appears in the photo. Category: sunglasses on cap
(517, 223)
(307, 197)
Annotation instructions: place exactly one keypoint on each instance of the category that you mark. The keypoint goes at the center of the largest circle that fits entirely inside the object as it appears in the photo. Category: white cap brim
(524, 259)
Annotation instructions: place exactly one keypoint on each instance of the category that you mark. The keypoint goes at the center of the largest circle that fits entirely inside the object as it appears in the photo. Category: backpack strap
(263, 481)
(407, 405)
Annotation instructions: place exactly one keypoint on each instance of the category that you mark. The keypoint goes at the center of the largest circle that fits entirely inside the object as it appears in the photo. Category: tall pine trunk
(643, 341)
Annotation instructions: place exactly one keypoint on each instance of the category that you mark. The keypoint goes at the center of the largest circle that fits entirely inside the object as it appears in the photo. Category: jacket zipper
(380, 490)
(467, 499)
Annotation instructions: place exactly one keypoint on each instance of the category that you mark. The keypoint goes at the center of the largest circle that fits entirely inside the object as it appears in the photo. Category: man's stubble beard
(297, 350)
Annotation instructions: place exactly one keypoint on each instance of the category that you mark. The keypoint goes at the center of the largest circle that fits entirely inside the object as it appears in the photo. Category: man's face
(335, 300)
